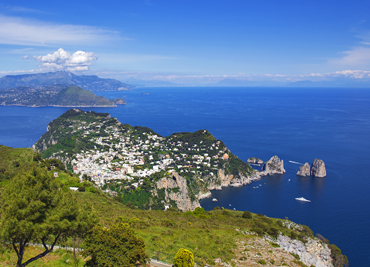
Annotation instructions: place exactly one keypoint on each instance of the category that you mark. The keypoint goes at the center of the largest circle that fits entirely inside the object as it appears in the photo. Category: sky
(186, 41)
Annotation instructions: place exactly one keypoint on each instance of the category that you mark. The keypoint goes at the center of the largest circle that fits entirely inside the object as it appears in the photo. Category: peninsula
(53, 95)
(141, 166)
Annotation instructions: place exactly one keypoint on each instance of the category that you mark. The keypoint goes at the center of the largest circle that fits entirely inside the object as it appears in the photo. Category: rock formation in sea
(255, 160)
(273, 166)
(119, 101)
(318, 168)
(304, 170)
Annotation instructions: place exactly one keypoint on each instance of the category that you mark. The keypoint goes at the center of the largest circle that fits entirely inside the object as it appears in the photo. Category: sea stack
(304, 170)
(318, 168)
(274, 166)
(255, 160)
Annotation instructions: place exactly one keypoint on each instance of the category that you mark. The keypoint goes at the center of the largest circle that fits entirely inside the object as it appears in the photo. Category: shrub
(183, 258)
(216, 208)
(273, 232)
(279, 223)
(198, 211)
(247, 215)
(266, 220)
(225, 213)
(114, 246)
(263, 262)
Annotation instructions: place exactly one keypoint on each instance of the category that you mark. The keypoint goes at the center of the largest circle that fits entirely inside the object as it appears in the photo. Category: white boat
(302, 199)
(214, 200)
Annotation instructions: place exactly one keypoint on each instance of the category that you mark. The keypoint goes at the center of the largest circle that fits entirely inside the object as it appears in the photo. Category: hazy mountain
(333, 83)
(88, 82)
(150, 83)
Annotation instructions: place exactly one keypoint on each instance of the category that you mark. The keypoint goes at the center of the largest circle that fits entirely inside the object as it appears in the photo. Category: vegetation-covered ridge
(140, 166)
(56, 95)
(215, 237)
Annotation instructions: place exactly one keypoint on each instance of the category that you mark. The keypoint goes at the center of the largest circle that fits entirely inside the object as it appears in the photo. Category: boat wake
(294, 162)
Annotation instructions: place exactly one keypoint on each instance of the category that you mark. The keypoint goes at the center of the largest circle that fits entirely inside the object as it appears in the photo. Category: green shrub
(183, 258)
(263, 262)
(247, 215)
(198, 211)
(225, 212)
(278, 222)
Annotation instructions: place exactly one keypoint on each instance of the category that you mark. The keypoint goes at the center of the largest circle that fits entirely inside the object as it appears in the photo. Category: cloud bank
(63, 60)
(19, 31)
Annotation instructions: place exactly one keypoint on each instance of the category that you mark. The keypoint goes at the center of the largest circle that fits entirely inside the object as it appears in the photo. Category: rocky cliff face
(180, 196)
(313, 252)
(318, 168)
(273, 166)
(304, 170)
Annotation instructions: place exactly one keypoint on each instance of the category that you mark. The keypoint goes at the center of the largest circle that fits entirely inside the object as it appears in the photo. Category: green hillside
(221, 234)
(76, 96)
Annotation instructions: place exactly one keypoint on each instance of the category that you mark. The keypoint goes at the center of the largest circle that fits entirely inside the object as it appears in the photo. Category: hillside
(141, 166)
(215, 237)
(53, 95)
(88, 82)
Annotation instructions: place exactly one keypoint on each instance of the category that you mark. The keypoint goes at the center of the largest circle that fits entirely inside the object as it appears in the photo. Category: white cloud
(63, 60)
(19, 31)
(357, 57)
(25, 57)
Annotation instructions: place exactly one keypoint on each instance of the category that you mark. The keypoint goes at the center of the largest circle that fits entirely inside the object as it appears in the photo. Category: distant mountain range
(343, 82)
(334, 83)
(88, 82)
(150, 83)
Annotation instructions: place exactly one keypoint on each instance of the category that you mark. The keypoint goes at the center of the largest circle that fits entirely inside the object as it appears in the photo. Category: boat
(302, 199)
(214, 200)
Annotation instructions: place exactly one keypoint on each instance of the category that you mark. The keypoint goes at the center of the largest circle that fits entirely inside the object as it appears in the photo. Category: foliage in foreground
(36, 209)
(183, 258)
(117, 245)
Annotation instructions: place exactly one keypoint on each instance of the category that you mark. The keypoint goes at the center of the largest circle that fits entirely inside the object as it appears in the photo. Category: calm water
(295, 124)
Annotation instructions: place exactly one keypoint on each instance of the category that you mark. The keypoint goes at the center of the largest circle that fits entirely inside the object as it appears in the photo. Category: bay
(297, 124)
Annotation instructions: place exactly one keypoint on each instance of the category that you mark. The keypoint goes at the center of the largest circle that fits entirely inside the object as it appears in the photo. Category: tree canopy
(36, 209)
(114, 246)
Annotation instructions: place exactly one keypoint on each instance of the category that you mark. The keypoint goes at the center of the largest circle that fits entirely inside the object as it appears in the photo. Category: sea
(296, 124)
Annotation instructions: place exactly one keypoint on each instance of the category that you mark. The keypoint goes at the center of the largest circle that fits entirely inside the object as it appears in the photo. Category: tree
(36, 209)
(114, 246)
(183, 258)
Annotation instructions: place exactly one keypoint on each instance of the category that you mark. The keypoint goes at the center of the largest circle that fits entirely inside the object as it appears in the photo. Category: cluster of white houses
(124, 158)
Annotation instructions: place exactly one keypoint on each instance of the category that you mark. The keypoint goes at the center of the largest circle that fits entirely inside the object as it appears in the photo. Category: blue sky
(188, 41)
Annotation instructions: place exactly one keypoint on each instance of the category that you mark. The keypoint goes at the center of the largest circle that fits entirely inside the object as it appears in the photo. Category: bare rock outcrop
(313, 252)
(273, 166)
(180, 196)
(304, 170)
(254, 160)
(318, 168)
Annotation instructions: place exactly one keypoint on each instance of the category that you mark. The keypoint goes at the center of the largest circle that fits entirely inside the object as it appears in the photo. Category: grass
(209, 236)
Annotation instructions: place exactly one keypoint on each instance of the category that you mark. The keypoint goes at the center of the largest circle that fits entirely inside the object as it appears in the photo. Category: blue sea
(297, 124)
